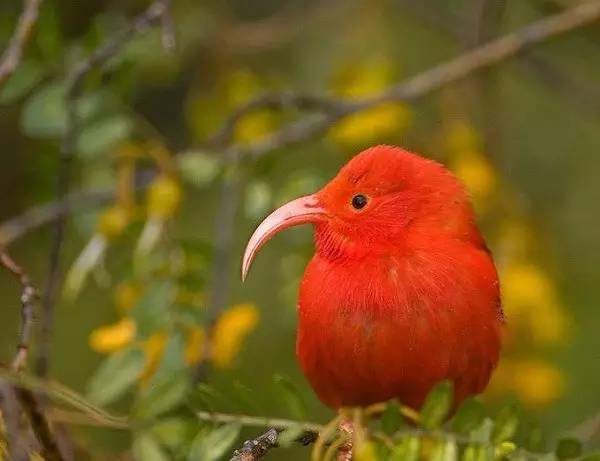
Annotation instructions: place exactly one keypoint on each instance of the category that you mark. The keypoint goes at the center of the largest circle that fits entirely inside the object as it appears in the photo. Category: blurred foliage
(139, 277)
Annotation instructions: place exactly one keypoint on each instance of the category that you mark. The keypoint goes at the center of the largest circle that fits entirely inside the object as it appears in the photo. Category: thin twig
(576, 91)
(14, 51)
(29, 296)
(272, 100)
(152, 16)
(257, 421)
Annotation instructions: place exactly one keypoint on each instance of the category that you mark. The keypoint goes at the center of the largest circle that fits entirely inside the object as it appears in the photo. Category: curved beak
(303, 210)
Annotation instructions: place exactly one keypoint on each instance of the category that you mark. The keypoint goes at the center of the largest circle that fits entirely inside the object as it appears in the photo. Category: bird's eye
(359, 201)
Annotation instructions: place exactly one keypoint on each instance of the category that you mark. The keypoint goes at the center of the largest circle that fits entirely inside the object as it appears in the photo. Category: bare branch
(254, 449)
(14, 51)
(28, 298)
(152, 16)
(273, 100)
(38, 421)
(16, 437)
(582, 93)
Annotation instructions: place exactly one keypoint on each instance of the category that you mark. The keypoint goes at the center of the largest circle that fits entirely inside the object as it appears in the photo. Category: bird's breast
(392, 328)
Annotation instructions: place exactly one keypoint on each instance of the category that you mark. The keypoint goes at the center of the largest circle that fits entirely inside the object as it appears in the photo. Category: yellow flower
(195, 345)
(229, 333)
(254, 126)
(153, 348)
(516, 239)
(241, 86)
(531, 302)
(164, 197)
(477, 174)
(113, 221)
(536, 382)
(126, 296)
(368, 125)
(461, 137)
(357, 82)
(111, 338)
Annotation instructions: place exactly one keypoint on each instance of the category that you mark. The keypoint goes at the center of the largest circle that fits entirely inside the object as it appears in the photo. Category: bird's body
(402, 291)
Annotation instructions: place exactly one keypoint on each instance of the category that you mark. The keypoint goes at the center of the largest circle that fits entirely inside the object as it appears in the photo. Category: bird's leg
(346, 427)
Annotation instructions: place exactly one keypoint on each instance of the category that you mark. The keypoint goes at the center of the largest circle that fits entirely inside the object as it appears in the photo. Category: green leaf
(207, 397)
(151, 313)
(174, 432)
(591, 457)
(146, 448)
(44, 114)
(391, 419)
(477, 452)
(214, 444)
(246, 397)
(408, 449)
(199, 168)
(444, 450)
(116, 375)
(291, 397)
(258, 199)
(103, 135)
(568, 448)
(469, 416)
(26, 76)
(483, 432)
(506, 424)
(437, 405)
(162, 396)
(504, 449)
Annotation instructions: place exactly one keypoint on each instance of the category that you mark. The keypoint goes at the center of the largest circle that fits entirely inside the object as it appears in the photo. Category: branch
(580, 92)
(39, 423)
(431, 80)
(156, 13)
(256, 448)
(29, 296)
(12, 55)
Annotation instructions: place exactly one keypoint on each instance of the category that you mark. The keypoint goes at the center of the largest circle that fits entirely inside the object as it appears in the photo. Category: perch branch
(39, 423)
(153, 15)
(254, 449)
(14, 51)
(28, 298)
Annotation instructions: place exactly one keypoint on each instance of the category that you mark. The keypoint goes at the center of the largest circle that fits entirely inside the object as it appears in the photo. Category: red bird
(401, 292)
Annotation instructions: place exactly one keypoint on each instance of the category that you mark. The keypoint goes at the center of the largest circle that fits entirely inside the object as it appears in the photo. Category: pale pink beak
(303, 210)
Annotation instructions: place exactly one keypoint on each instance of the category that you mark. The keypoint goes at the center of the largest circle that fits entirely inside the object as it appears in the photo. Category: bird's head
(377, 200)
